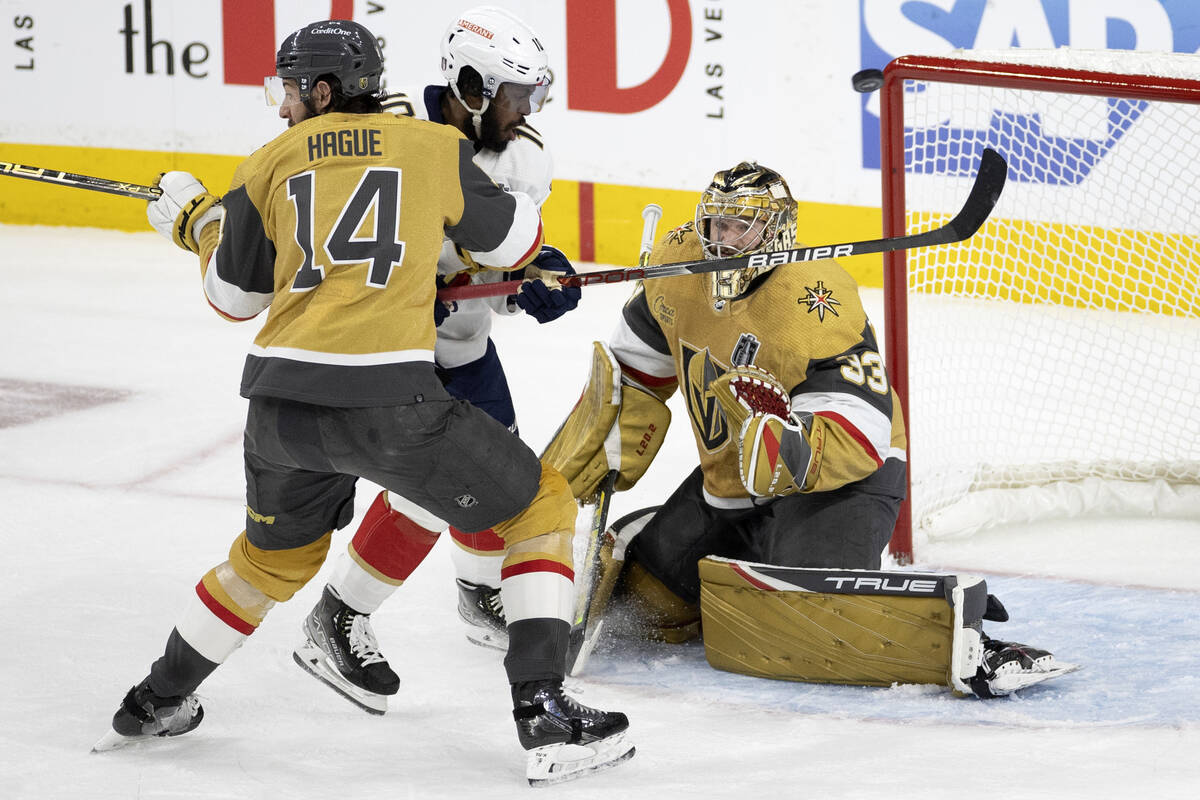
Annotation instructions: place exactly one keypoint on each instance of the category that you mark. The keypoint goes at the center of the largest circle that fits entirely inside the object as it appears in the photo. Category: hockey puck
(867, 80)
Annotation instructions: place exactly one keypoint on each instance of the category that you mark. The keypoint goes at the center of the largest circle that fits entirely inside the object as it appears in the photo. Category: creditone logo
(891, 28)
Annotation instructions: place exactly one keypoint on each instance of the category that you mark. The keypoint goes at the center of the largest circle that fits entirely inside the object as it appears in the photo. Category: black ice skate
(341, 652)
(566, 740)
(144, 714)
(483, 611)
(1009, 666)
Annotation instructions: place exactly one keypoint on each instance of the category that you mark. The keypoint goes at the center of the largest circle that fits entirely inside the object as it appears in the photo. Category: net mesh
(1062, 342)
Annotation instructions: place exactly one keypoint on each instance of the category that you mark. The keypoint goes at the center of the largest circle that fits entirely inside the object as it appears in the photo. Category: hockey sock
(477, 557)
(387, 547)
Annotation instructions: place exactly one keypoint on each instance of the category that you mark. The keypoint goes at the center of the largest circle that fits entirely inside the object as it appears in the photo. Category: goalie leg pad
(612, 427)
(839, 626)
(667, 617)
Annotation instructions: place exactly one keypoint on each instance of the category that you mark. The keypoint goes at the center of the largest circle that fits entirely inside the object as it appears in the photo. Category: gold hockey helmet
(746, 209)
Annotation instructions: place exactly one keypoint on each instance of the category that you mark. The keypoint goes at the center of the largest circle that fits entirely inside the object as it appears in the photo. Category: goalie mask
(746, 209)
(503, 50)
(341, 48)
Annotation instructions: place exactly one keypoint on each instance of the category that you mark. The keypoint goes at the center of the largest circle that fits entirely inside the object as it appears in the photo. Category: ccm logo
(804, 254)
(885, 584)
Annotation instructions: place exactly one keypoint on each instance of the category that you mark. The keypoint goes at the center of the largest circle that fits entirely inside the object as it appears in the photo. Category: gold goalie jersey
(336, 226)
(803, 323)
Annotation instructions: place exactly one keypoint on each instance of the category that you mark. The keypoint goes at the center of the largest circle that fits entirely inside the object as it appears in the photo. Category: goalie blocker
(844, 626)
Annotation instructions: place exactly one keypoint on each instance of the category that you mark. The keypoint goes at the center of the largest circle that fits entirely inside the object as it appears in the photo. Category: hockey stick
(585, 628)
(989, 182)
(80, 181)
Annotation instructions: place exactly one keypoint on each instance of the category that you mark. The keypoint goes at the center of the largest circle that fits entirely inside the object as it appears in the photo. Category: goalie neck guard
(339, 48)
(744, 210)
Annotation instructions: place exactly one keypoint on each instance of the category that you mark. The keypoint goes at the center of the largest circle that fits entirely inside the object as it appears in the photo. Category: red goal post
(1093, 247)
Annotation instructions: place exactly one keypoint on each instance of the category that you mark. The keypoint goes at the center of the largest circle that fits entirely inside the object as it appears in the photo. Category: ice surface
(114, 509)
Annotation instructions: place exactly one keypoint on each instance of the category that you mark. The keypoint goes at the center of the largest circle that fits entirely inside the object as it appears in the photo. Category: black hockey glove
(541, 296)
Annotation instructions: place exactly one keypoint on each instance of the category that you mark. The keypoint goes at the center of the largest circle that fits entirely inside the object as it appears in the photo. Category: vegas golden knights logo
(700, 370)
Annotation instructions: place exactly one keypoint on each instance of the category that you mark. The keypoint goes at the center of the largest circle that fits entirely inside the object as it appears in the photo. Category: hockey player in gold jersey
(496, 73)
(801, 444)
(334, 228)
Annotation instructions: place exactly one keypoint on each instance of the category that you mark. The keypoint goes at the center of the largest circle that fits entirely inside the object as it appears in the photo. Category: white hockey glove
(183, 210)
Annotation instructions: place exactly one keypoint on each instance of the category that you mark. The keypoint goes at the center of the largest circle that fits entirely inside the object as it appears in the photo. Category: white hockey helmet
(502, 49)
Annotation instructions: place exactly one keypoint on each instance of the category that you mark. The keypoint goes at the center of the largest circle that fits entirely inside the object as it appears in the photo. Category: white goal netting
(1054, 358)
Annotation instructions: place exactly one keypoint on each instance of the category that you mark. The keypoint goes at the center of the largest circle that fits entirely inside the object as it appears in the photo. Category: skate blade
(1015, 681)
(487, 638)
(558, 763)
(311, 659)
(114, 741)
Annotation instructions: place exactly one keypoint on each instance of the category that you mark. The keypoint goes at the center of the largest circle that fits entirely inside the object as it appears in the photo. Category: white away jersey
(525, 167)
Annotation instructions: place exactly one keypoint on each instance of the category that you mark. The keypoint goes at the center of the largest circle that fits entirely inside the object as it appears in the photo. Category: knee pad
(277, 574)
(551, 510)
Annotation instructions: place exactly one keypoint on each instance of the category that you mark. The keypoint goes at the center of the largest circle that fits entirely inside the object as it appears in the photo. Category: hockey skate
(1008, 667)
(143, 714)
(564, 739)
(341, 652)
(482, 609)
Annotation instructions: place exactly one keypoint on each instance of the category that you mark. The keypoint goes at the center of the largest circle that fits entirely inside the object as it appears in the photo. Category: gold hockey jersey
(336, 226)
(805, 324)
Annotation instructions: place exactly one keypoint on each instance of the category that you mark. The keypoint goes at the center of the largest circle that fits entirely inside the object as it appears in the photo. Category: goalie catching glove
(774, 454)
(183, 210)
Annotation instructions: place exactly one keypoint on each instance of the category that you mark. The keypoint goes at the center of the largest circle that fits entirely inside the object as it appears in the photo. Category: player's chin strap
(476, 116)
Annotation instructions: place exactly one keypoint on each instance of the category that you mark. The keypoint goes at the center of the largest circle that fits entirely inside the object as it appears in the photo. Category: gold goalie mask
(746, 209)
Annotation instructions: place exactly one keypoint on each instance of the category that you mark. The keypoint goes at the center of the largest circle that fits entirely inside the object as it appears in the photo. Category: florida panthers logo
(699, 370)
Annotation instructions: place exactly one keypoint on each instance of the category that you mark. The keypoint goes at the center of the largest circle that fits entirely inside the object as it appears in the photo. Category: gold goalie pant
(841, 626)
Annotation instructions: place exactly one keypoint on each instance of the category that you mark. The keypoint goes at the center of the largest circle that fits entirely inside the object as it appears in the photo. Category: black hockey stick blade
(985, 192)
(78, 181)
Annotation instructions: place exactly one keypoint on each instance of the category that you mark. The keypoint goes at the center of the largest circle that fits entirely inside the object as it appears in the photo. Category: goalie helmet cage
(1050, 365)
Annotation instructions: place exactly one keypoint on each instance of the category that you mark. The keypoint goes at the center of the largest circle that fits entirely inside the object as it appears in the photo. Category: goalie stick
(80, 181)
(586, 626)
(989, 182)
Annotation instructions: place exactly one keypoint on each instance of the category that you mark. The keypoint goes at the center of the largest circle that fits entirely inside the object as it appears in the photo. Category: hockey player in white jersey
(497, 73)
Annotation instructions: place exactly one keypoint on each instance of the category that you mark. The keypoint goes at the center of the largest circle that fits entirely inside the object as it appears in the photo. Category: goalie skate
(1009, 667)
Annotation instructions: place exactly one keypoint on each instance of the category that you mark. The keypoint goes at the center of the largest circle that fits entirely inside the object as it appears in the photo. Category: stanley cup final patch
(820, 300)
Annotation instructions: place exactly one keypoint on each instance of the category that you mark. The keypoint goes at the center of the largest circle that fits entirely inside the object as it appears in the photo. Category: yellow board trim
(1076, 266)
(617, 208)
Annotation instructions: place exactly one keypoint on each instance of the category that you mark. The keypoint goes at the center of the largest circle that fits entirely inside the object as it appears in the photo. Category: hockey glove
(774, 453)
(542, 296)
(440, 312)
(183, 210)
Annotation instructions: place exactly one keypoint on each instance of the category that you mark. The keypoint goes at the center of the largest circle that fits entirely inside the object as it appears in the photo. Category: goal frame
(893, 172)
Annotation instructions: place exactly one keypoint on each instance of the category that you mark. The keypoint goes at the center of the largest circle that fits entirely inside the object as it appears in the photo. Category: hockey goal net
(1050, 365)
